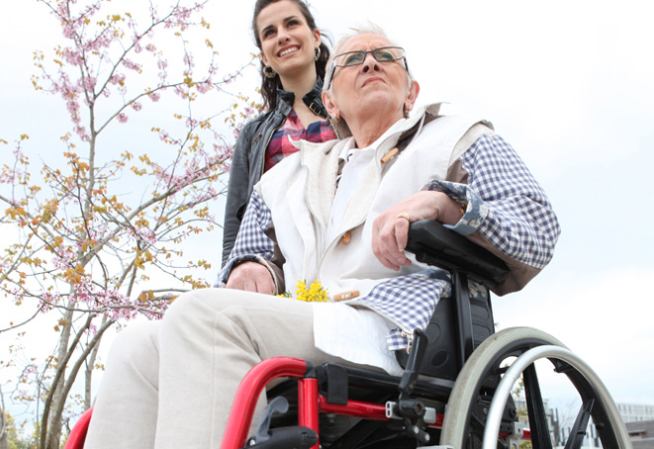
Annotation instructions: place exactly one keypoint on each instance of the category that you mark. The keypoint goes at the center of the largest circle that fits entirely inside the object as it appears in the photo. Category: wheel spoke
(576, 438)
(537, 418)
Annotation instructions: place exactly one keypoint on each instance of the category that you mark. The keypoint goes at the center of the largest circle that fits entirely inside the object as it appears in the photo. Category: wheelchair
(455, 391)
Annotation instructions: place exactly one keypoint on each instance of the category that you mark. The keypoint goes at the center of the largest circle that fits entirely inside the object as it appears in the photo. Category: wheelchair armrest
(434, 244)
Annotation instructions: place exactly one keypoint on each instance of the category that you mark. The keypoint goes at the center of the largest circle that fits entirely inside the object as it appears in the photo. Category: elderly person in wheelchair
(337, 212)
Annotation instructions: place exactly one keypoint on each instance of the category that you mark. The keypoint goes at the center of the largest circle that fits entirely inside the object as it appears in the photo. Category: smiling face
(364, 92)
(288, 44)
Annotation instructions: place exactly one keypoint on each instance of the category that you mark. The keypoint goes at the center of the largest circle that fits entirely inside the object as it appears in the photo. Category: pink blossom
(18, 294)
(73, 108)
(224, 156)
(18, 153)
(72, 57)
(151, 47)
(29, 370)
(131, 65)
(122, 118)
(50, 297)
(89, 84)
(82, 133)
(136, 106)
(66, 87)
(183, 14)
(154, 96)
(68, 30)
(82, 292)
(147, 235)
(103, 40)
(188, 60)
(64, 259)
(118, 305)
(249, 112)
(204, 87)
(117, 78)
(179, 90)
(12, 176)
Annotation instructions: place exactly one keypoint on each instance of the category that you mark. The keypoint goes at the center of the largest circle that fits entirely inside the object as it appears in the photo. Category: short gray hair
(341, 127)
(368, 28)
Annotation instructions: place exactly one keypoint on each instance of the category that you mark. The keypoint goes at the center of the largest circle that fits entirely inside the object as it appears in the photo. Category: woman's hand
(390, 230)
(252, 277)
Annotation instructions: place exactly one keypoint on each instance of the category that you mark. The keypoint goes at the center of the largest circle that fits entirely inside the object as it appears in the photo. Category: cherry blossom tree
(93, 228)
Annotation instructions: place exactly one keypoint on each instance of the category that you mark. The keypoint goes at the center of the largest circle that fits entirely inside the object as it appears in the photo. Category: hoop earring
(269, 72)
(318, 51)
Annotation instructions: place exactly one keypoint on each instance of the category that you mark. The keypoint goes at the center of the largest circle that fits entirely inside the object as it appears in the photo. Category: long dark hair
(269, 85)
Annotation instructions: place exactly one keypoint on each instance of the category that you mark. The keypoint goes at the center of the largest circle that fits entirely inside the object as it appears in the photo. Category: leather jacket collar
(312, 99)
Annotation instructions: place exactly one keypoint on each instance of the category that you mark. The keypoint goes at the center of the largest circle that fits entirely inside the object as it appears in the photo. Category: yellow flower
(315, 292)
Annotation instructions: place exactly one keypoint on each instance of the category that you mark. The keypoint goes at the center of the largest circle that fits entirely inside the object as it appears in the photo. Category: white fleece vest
(299, 192)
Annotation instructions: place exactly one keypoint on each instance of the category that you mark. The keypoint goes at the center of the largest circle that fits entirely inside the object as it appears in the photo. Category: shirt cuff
(476, 209)
(221, 282)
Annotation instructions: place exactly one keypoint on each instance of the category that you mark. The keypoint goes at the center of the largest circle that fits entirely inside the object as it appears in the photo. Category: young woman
(293, 59)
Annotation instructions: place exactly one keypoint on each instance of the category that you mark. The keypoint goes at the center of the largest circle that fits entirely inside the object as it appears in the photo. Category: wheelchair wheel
(473, 394)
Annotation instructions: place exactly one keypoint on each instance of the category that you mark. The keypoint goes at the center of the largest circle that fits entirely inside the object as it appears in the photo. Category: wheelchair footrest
(295, 437)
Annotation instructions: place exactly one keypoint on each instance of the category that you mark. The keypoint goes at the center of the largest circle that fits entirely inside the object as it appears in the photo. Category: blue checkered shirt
(504, 203)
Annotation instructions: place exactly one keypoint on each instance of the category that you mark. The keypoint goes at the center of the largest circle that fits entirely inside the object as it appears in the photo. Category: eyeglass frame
(365, 54)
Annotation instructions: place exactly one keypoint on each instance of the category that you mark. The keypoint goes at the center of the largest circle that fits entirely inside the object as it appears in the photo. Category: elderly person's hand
(390, 230)
(251, 277)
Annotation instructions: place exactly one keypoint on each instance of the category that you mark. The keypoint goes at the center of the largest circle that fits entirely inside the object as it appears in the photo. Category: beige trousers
(170, 384)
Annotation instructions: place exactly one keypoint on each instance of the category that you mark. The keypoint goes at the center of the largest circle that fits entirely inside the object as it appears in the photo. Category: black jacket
(249, 154)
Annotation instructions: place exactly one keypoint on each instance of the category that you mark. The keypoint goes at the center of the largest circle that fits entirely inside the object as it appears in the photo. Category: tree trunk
(53, 410)
(4, 443)
(54, 418)
(88, 374)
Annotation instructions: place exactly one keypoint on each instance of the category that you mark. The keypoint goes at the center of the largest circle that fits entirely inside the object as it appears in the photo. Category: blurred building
(636, 412)
(641, 434)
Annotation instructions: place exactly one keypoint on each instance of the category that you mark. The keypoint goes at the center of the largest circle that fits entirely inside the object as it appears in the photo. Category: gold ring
(404, 215)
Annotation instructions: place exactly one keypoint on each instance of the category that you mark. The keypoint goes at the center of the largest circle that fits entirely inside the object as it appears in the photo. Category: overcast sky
(570, 84)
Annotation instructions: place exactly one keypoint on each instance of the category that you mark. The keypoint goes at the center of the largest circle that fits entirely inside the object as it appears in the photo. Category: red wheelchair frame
(463, 361)
(310, 404)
